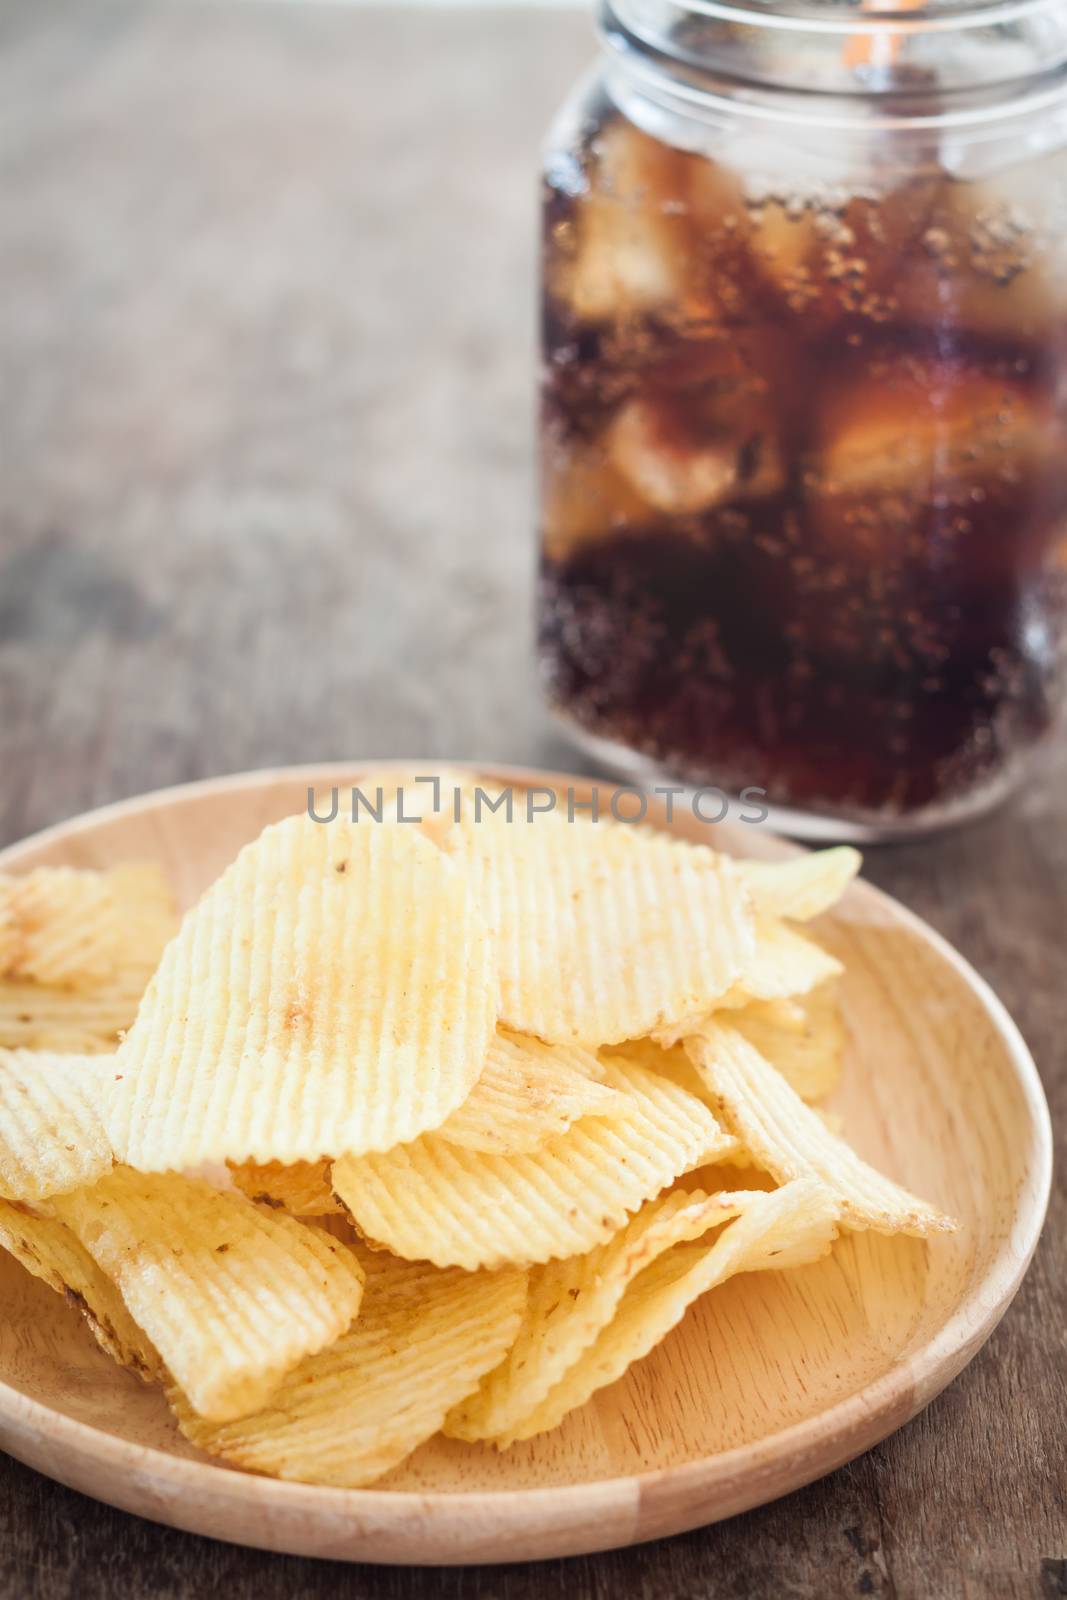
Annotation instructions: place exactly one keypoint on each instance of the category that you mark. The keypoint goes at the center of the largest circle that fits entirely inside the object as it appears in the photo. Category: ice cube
(584, 497)
(675, 478)
(679, 469)
(913, 425)
(787, 247)
(991, 258)
(632, 249)
(912, 438)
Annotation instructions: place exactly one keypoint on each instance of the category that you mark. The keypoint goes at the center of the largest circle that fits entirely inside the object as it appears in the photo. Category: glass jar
(804, 422)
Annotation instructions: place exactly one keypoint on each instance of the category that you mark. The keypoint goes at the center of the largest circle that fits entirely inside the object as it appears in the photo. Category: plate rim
(861, 1419)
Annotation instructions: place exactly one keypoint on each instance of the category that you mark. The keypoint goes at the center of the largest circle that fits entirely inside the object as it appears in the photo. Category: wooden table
(266, 338)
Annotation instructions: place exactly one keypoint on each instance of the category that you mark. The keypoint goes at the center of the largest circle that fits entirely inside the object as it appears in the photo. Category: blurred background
(267, 345)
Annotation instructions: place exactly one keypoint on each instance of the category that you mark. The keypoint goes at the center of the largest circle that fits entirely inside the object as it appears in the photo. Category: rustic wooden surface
(266, 336)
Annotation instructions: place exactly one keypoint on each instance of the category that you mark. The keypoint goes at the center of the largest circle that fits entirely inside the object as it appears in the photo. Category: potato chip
(49, 1250)
(784, 964)
(302, 1190)
(588, 1319)
(58, 926)
(604, 932)
(348, 1415)
(791, 1141)
(527, 1093)
(438, 1202)
(232, 1296)
(803, 888)
(90, 1018)
(787, 1227)
(568, 1304)
(803, 1038)
(51, 1136)
(333, 992)
(430, 798)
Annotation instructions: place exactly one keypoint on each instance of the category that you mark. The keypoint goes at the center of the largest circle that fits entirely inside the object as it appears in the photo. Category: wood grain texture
(265, 498)
(768, 1383)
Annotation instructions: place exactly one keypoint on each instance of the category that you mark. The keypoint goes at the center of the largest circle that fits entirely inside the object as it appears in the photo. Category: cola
(804, 511)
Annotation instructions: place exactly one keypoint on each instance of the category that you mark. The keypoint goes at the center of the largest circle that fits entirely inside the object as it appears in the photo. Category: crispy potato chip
(49, 1250)
(437, 1202)
(791, 1140)
(604, 932)
(348, 1415)
(70, 1022)
(431, 798)
(333, 992)
(302, 1190)
(231, 1295)
(58, 925)
(804, 888)
(51, 1136)
(527, 1093)
(788, 1227)
(89, 1019)
(673, 1063)
(784, 964)
(588, 1319)
(803, 1038)
(568, 1304)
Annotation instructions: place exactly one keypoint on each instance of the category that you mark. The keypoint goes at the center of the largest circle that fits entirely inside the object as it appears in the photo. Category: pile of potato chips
(419, 1127)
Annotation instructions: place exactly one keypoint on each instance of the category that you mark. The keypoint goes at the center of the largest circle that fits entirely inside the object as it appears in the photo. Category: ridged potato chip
(604, 932)
(803, 1038)
(568, 1304)
(89, 1019)
(302, 1190)
(787, 1227)
(790, 1140)
(348, 1415)
(784, 964)
(804, 888)
(333, 992)
(437, 1202)
(49, 1250)
(527, 1093)
(430, 798)
(232, 1296)
(59, 926)
(51, 1136)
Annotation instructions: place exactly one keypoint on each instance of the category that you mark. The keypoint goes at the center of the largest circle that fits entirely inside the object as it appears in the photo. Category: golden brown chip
(527, 1093)
(303, 1190)
(604, 932)
(334, 991)
(790, 1140)
(232, 1296)
(803, 888)
(51, 1135)
(349, 1414)
(49, 1250)
(438, 1202)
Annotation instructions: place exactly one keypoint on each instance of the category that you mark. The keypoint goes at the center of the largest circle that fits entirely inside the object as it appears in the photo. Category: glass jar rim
(935, 62)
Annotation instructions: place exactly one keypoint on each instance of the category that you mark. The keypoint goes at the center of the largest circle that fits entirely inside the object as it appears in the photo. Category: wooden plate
(771, 1381)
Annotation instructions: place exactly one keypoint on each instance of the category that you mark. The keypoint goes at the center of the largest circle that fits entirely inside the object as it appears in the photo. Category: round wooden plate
(771, 1381)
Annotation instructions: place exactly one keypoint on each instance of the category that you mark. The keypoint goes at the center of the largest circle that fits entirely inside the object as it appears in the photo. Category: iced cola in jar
(804, 432)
